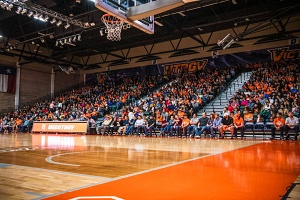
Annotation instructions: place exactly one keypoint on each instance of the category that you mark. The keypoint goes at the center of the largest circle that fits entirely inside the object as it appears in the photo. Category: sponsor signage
(63, 127)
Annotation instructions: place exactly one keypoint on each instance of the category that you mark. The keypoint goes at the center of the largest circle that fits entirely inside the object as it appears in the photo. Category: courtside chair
(259, 126)
(249, 126)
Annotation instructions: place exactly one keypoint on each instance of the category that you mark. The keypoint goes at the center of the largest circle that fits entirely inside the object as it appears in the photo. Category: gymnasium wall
(63, 80)
(7, 100)
(35, 82)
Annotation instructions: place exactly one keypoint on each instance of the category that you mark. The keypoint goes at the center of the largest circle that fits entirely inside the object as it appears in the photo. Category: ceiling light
(78, 1)
(79, 38)
(30, 14)
(53, 21)
(1, 2)
(59, 23)
(46, 18)
(36, 15)
(56, 44)
(74, 39)
(4, 5)
(9, 7)
(61, 42)
(24, 11)
(247, 19)
(70, 40)
(67, 25)
(1, 36)
(42, 40)
(234, 2)
(19, 10)
(101, 32)
(65, 41)
(92, 24)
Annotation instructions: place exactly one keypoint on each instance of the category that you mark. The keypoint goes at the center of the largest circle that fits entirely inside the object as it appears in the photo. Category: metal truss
(45, 11)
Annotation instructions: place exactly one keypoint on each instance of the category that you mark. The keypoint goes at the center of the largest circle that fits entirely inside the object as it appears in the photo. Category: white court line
(146, 171)
(49, 159)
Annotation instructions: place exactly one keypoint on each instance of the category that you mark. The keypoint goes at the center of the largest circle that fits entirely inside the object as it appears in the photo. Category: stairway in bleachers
(220, 102)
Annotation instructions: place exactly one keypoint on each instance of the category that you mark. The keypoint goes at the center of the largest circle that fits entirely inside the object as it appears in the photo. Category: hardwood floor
(34, 166)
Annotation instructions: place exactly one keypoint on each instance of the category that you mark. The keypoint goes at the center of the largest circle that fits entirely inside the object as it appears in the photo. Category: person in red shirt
(278, 126)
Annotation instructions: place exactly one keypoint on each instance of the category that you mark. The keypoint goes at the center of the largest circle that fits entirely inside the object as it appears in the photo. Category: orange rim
(105, 16)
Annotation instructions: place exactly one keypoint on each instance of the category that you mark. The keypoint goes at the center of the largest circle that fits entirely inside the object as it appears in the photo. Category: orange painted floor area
(261, 171)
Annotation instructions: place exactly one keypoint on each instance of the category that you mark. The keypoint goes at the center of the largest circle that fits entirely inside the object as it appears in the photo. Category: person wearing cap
(238, 125)
(226, 125)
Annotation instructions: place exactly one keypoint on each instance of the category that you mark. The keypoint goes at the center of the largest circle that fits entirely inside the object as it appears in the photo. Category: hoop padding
(114, 27)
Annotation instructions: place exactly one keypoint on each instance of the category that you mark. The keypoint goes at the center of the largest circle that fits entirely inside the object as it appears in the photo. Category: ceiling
(192, 19)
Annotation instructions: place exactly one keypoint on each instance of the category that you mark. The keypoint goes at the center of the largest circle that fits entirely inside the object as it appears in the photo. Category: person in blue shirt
(216, 125)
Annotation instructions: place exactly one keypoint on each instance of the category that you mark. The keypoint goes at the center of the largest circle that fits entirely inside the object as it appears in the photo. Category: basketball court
(81, 167)
(46, 166)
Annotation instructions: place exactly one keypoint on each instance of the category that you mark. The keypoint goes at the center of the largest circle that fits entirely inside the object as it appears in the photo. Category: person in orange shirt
(19, 124)
(238, 123)
(185, 124)
(278, 125)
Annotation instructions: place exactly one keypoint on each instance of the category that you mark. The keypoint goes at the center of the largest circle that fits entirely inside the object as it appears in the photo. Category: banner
(60, 127)
(284, 54)
(8, 79)
(247, 58)
(186, 67)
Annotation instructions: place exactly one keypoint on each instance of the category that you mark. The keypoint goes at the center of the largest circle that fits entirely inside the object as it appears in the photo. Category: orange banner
(63, 127)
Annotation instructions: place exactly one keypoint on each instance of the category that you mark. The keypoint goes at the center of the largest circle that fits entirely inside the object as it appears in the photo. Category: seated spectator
(138, 125)
(210, 124)
(291, 123)
(226, 125)
(202, 125)
(105, 125)
(185, 124)
(215, 125)
(278, 126)
(248, 117)
(238, 125)
(177, 125)
(193, 125)
(150, 126)
(122, 129)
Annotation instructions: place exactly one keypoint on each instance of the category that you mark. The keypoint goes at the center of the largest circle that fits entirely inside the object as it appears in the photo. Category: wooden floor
(44, 166)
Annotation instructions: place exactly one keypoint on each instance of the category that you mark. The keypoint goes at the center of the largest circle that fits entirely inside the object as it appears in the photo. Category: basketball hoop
(114, 27)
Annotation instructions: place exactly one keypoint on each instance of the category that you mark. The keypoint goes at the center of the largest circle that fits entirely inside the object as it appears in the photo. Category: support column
(52, 83)
(17, 94)
(84, 79)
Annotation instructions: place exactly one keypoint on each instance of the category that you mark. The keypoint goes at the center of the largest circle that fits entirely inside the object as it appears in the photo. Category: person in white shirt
(291, 122)
(139, 123)
(130, 115)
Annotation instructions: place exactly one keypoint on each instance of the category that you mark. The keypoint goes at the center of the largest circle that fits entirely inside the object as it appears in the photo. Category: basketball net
(114, 27)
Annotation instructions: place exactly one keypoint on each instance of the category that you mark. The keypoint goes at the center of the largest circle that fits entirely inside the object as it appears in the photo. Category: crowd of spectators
(86, 103)
(142, 106)
(269, 99)
(132, 97)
